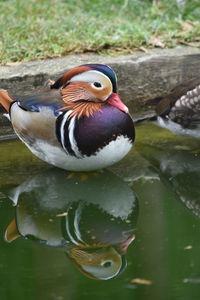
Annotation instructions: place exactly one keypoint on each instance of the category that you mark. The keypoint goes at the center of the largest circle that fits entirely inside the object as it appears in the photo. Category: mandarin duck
(78, 123)
(179, 111)
(92, 221)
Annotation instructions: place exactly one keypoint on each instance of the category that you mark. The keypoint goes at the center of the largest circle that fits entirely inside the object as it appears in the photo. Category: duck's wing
(186, 110)
(182, 104)
(34, 102)
(34, 116)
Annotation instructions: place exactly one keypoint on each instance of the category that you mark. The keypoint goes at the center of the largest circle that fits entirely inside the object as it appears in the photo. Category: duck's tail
(5, 100)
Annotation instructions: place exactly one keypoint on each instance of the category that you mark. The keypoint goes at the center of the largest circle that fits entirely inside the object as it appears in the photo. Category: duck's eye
(107, 264)
(97, 84)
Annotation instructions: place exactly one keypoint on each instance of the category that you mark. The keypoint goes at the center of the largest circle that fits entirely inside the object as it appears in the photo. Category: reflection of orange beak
(114, 100)
(122, 247)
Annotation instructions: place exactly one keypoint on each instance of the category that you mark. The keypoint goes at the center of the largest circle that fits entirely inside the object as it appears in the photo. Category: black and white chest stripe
(65, 134)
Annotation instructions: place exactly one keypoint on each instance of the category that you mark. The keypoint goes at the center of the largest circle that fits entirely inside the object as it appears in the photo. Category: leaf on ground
(188, 247)
(187, 43)
(187, 26)
(143, 49)
(62, 214)
(13, 64)
(141, 281)
(156, 41)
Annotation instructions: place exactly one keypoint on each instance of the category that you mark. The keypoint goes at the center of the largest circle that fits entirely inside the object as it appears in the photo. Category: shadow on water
(60, 230)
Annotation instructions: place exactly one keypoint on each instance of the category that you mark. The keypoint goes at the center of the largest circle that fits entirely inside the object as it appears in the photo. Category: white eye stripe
(92, 77)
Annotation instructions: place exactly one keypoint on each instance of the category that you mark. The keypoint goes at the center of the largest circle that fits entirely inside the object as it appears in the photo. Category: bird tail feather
(5, 100)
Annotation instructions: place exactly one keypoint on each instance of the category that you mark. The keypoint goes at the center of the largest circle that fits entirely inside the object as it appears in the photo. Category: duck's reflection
(179, 170)
(91, 216)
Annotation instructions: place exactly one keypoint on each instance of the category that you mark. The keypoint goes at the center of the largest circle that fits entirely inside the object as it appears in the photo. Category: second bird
(179, 111)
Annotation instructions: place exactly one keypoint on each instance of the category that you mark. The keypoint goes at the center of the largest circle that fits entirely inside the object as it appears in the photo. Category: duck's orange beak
(114, 100)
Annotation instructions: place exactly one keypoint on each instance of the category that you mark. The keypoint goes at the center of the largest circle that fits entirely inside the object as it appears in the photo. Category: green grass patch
(42, 29)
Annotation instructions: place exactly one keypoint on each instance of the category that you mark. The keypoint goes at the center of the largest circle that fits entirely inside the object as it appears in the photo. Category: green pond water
(136, 224)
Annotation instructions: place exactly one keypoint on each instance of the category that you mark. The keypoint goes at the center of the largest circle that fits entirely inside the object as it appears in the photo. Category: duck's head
(90, 83)
(101, 263)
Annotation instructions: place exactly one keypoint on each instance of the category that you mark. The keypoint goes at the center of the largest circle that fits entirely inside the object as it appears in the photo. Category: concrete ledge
(141, 76)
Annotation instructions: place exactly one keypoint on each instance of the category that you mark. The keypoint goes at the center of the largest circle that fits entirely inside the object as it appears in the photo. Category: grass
(43, 29)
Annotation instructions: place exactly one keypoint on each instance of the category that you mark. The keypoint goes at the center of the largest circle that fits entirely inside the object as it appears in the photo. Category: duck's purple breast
(93, 133)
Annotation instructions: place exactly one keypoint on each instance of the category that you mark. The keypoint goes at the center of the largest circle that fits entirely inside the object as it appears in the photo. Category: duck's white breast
(107, 156)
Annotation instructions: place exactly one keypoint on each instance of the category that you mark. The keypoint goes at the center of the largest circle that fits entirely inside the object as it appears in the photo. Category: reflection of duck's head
(94, 234)
(98, 263)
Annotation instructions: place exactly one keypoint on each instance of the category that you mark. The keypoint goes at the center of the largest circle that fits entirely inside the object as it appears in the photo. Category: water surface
(136, 224)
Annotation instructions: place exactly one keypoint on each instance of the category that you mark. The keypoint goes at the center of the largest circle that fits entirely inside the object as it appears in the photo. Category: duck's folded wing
(186, 110)
(35, 102)
(164, 104)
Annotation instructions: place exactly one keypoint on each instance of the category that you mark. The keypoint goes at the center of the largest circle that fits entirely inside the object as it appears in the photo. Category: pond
(129, 232)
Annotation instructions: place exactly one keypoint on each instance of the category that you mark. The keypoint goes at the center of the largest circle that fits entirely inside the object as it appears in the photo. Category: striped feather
(65, 133)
